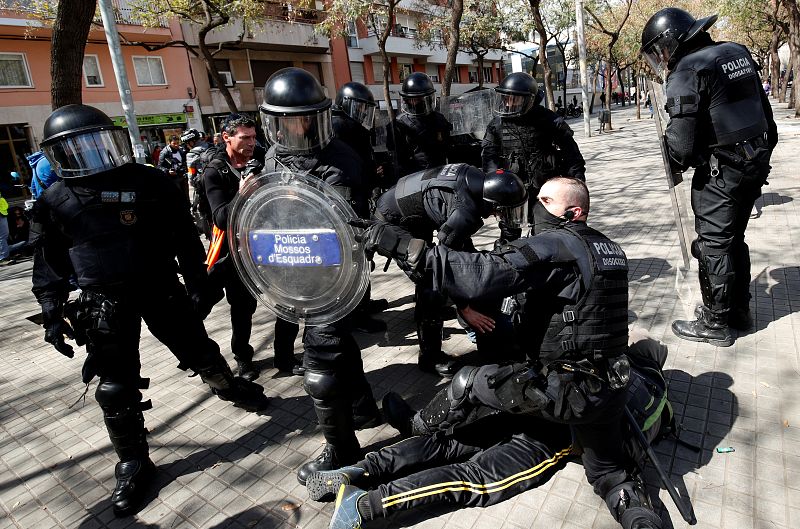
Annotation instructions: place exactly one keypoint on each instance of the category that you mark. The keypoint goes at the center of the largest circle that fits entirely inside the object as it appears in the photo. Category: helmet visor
(299, 134)
(89, 153)
(658, 53)
(361, 111)
(513, 217)
(419, 105)
(510, 104)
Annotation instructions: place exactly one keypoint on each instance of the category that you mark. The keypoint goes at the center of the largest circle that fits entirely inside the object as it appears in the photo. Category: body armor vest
(427, 138)
(112, 234)
(596, 326)
(529, 151)
(734, 107)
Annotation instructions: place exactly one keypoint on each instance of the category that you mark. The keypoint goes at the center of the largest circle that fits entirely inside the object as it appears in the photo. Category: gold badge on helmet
(127, 217)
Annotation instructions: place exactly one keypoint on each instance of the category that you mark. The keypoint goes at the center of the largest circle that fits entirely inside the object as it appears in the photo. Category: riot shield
(294, 250)
(675, 183)
(469, 113)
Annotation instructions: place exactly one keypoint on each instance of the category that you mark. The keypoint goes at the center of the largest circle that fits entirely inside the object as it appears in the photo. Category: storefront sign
(152, 119)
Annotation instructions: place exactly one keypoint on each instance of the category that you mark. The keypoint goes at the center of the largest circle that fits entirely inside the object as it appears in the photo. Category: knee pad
(322, 385)
(697, 249)
(460, 387)
(112, 394)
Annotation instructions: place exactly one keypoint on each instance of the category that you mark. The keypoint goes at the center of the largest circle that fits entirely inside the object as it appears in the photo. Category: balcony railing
(127, 16)
(289, 13)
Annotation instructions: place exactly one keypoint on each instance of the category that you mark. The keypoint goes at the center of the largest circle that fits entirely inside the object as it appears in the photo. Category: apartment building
(161, 84)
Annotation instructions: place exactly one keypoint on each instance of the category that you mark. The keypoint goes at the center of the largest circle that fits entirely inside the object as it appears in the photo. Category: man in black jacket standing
(721, 124)
(119, 227)
(222, 178)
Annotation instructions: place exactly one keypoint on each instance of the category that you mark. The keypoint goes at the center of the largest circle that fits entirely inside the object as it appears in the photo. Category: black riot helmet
(500, 193)
(515, 95)
(665, 32)
(357, 101)
(418, 94)
(296, 113)
(80, 140)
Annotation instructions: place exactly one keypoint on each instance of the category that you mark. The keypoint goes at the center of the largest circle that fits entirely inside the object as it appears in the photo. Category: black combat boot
(323, 485)
(243, 393)
(431, 357)
(247, 370)
(711, 327)
(631, 507)
(135, 470)
(341, 448)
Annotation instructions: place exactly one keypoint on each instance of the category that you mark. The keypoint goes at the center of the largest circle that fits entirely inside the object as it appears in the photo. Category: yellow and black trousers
(484, 467)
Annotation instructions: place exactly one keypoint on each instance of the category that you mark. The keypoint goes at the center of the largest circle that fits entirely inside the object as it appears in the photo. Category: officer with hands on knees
(422, 134)
(453, 200)
(529, 140)
(297, 122)
(119, 227)
(721, 124)
(569, 287)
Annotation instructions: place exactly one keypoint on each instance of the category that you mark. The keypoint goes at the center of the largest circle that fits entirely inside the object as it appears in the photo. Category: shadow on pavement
(771, 290)
(769, 199)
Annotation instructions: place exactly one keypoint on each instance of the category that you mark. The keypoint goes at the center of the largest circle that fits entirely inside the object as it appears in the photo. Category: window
(91, 71)
(473, 77)
(14, 71)
(405, 71)
(487, 74)
(223, 67)
(352, 34)
(149, 71)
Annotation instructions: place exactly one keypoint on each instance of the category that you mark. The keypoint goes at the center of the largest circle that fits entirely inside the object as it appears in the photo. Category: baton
(684, 504)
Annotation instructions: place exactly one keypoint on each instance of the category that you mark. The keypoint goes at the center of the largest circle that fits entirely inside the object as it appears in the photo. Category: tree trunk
(208, 61)
(542, 32)
(609, 77)
(480, 70)
(639, 100)
(774, 61)
(452, 45)
(70, 32)
(794, 46)
(594, 85)
(621, 84)
(782, 89)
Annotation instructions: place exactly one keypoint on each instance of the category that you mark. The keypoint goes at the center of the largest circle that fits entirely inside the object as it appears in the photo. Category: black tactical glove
(56, 327)
(253, 167)
(382, 238)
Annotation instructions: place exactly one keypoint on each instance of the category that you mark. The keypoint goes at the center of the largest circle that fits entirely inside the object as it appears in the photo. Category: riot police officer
(118, 227)
(453, 200)
(353, 114)
(528, 139)
(422, 134)
(720, 123)
(569, 284)
(297, 122)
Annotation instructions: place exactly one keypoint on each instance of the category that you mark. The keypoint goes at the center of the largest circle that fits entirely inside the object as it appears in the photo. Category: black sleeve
(536, 264)
(219, 196)
(683, 93)
(185, 238)
(570, 154)
(52, 267)
(491, 147)
(772, 128)
(402, 149)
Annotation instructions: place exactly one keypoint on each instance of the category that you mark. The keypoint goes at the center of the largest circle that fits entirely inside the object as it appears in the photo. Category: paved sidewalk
(222, 467)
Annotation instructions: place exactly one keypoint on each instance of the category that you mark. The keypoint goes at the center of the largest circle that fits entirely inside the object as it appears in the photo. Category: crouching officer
(529, 140)
(571, 288)
(453, 200)
(297, 122)
(119, 227)
(720, 123)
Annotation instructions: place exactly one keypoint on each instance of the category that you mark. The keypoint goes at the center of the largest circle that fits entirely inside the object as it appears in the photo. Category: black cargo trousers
(491, 461)
(722, 204)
